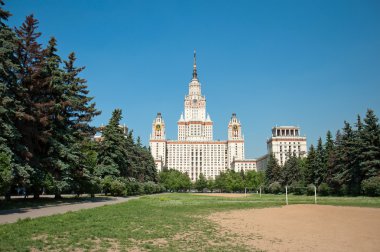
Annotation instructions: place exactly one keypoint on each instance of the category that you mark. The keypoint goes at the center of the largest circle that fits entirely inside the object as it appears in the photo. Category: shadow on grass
(21, 205)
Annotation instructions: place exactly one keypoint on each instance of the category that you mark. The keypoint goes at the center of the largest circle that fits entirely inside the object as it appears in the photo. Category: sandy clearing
(304, 228)
(226, 195)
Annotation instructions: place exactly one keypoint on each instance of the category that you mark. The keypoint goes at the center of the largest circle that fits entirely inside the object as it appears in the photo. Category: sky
(309, 63)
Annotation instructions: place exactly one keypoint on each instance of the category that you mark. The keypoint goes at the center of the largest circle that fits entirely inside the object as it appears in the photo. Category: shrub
(149, 187)
(296, 188)
(275, 188)
(323, 189)
(106, 184)
(371, 186)
(310, 190)
(117, 188)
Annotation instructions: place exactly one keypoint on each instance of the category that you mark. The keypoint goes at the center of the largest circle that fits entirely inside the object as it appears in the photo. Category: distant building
(195, 151)
(285, 141)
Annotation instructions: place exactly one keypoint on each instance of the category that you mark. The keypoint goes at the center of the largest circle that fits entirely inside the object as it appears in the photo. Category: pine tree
(113, 156)
(31, 123)
(320, 164)
(8, 134)
(10, 106)
(273, 170)
(329, 157)
(291, 172)
(370, 155)
(311, 166)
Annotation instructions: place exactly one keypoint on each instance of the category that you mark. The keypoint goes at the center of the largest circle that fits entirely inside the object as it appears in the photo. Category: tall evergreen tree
(113, 156)
(320, 164)
(370, 155)
(290, 171)
(273, 170)
(311, 166)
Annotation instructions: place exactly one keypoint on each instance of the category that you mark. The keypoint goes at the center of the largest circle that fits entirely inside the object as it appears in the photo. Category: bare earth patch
(226, 195)
(304, 228)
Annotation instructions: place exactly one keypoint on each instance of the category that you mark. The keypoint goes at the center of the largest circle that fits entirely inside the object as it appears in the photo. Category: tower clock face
(195, 101)
(158, 126)
(235, 127)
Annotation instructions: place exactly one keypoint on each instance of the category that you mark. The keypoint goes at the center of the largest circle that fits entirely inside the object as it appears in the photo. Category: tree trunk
(58, 196)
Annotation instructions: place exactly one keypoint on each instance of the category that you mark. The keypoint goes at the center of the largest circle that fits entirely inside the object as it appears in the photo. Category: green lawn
(166, 222)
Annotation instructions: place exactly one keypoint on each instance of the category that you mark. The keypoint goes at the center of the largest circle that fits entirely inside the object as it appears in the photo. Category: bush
(296, 188)
(275, 188)
(117, 188)
(371, 186)
(323, 189)
(310, 190)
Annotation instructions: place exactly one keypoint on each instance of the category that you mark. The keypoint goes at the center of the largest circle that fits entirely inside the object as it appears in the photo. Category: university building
(285, 141)
(195, 151)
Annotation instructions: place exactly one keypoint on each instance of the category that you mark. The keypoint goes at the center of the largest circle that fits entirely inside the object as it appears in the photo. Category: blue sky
(307, 63)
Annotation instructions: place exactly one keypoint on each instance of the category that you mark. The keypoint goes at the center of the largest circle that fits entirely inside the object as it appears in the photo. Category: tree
(201, 183)
(10, 106)
(320, 164)
(254, 180)
(291, 171)
(370, 153)
(311, 166)
(273, 170)
(113, 156)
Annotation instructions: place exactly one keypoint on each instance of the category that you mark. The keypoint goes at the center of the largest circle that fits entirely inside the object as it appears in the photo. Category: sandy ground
(304, 228)
(226, 195)
(9, 216)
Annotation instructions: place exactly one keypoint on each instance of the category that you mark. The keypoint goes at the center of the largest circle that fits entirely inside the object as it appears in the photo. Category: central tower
(195, 124)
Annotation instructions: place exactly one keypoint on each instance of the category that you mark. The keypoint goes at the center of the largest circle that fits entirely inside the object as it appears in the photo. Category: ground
(203, 222)
(304, 228)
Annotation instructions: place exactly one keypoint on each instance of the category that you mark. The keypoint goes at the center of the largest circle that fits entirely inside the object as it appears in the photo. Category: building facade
(195, 151)
(284, 142)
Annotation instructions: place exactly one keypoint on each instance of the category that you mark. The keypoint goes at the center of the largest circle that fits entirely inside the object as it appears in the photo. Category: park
(84, 168)
(205, 222)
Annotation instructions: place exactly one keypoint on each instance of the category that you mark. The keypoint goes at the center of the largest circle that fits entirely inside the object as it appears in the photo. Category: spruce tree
(291, 172)
(113, 155)
(329, 156)
(273, 170)
(311, 166)
(370, 155)
(31, 122)
(320, 164)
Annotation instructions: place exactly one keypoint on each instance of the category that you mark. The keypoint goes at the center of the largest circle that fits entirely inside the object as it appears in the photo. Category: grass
(166, 222)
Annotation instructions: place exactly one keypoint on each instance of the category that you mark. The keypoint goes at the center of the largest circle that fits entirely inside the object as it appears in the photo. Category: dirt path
(304, 228)
(9, 216)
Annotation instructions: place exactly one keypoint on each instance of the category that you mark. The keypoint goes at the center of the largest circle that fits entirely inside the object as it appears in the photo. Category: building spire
(195, 76)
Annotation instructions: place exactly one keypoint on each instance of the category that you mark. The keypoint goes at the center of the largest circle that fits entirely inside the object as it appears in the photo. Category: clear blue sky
(307, 63)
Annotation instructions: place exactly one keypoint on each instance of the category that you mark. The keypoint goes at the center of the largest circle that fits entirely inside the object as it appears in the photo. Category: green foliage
(117, 188)
(310, 189)
(201, 183)
(175, 181)
(339, 166)
(273, 170)
(297, 188)
(275, 188)
(371, 186)
(6, 176)
(323, 189)
(291, 171)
